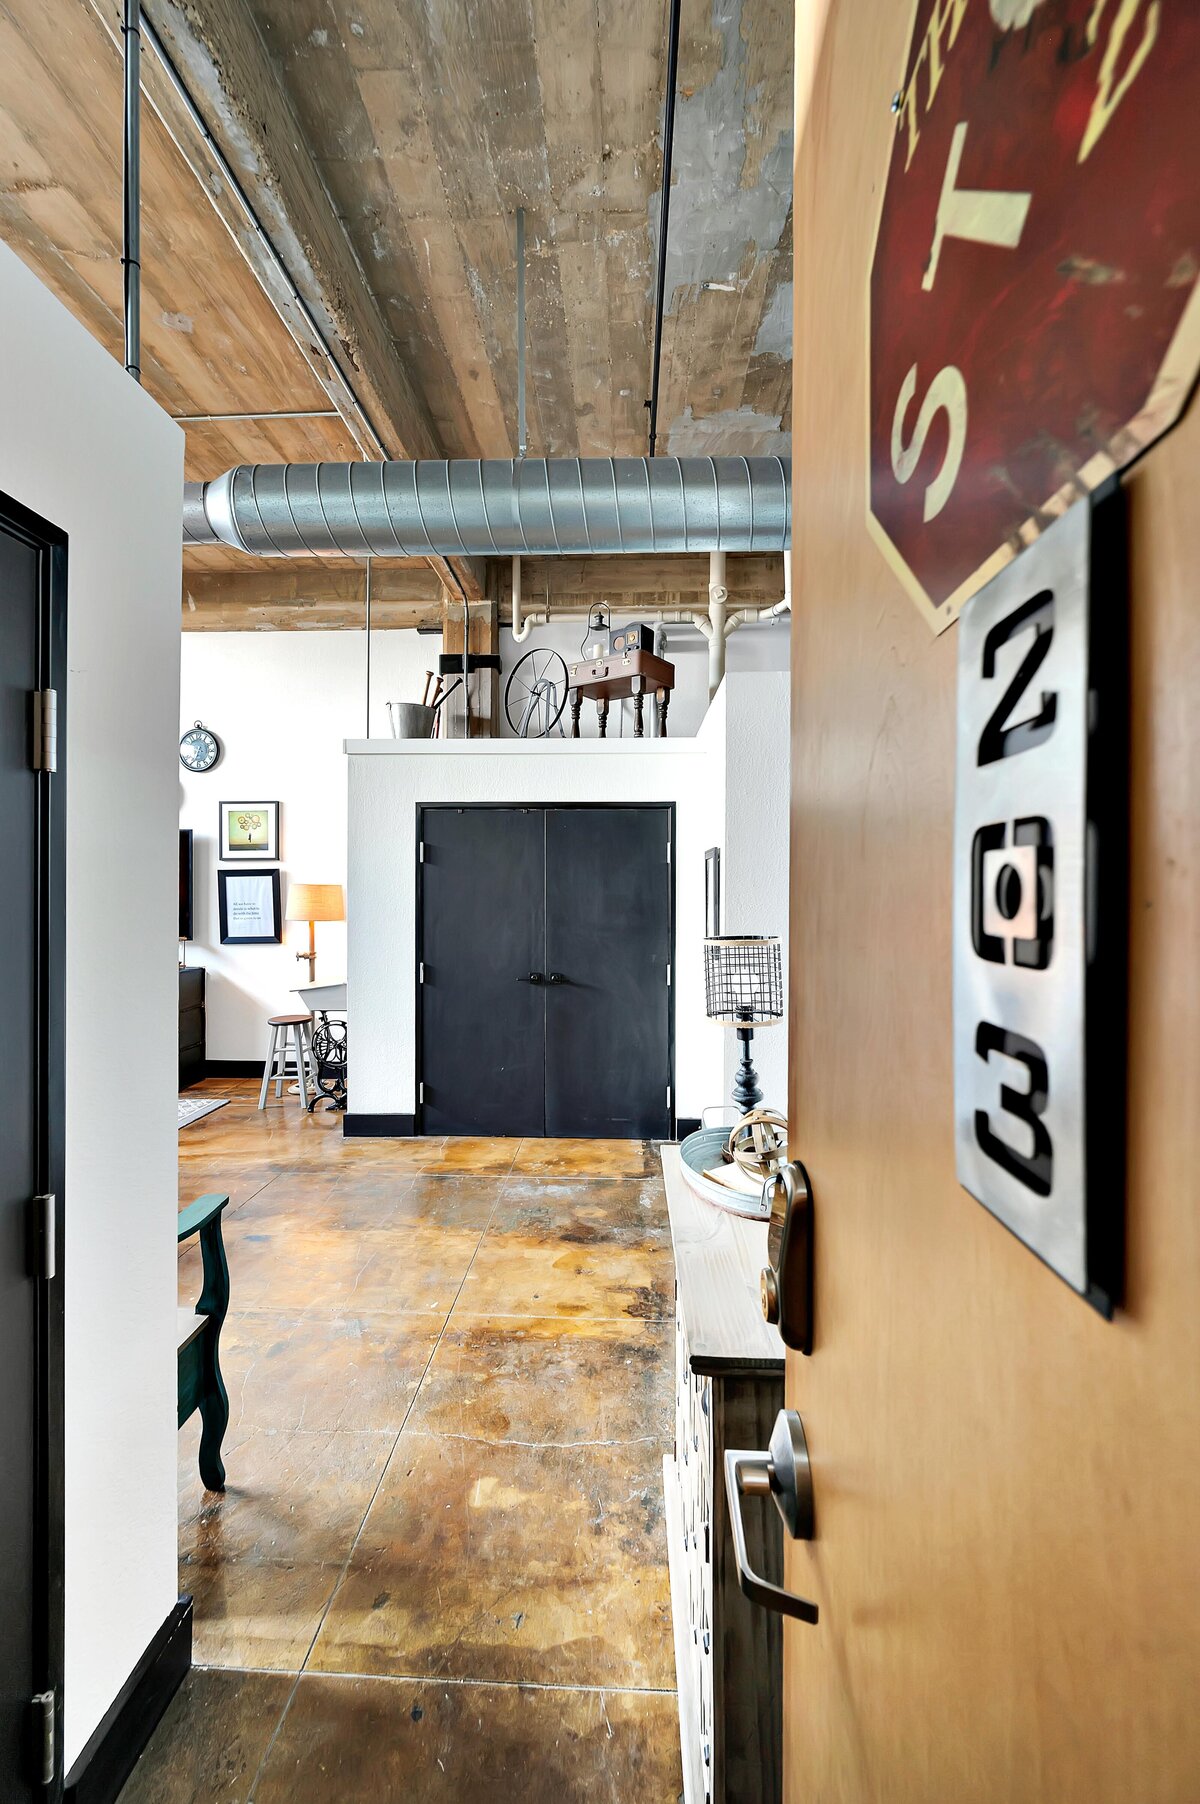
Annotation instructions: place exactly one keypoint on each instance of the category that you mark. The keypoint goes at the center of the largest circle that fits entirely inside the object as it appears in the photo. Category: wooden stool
(298, 1027)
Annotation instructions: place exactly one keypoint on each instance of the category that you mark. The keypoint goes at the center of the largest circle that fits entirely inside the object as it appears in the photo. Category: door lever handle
(534, 977)
(784, 1474)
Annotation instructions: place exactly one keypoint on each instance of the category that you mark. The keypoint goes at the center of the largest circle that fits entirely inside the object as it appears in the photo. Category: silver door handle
(784, 1474)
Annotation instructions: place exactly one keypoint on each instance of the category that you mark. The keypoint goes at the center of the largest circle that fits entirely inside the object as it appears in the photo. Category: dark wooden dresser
(729, 1367)
(191, 1025)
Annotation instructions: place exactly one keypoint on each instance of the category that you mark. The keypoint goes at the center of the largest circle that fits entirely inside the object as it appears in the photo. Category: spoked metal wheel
(536, 694)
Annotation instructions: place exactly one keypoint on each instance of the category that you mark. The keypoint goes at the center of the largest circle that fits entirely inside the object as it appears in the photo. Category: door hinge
(45, 729)
(668, 851)
(421, 852)
(668, 976)
(421, 972)
(44, 1714)
(44, 1213)
(668, 1096)
(420, 1093)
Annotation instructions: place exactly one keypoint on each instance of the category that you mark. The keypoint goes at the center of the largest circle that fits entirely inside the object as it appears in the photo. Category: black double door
(30, 1156)
(544, 978)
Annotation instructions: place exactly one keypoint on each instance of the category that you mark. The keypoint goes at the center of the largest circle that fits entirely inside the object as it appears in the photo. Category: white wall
(388, 781)
(763, 646)
(282, 705)
(754, 852)
(86, 448)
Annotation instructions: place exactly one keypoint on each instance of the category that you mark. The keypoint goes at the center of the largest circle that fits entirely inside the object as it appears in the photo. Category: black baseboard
(233, 1068)
(131, 1719)
(685, 1125)
(379, 1127)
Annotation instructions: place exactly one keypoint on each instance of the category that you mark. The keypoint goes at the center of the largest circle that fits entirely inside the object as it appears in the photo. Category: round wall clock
(199, 749)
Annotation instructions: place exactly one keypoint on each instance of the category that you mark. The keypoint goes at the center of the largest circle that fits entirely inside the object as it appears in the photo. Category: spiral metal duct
(495, 507)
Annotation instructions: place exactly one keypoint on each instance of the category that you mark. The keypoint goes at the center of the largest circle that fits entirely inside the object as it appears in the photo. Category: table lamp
(313, 902)
(743, 986)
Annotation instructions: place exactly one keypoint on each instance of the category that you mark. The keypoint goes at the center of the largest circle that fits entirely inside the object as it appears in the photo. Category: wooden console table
(729, 1366)
(629, 673)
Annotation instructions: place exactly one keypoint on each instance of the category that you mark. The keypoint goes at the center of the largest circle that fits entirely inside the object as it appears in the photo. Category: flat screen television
(185, 883)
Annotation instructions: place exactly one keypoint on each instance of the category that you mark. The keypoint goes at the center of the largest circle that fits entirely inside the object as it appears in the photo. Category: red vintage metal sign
(1034, 302)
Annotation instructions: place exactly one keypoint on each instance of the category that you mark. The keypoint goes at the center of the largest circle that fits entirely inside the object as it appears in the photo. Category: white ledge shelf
(524, 748)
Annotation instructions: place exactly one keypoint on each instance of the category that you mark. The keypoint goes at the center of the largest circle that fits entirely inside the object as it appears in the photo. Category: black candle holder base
(747, 1093)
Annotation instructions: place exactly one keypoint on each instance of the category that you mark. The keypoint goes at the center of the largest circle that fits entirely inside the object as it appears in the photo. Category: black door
(608, 945)
(483, 943)
(544, 946)
(29, 1148)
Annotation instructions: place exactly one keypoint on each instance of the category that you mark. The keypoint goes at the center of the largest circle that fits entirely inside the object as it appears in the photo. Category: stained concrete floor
(439, 1566)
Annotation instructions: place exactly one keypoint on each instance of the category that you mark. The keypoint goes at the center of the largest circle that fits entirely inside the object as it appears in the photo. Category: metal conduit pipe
(495, 507)
(664, 216)
(131, 187)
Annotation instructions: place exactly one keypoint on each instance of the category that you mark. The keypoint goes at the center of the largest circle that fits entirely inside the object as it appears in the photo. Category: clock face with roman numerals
(199, 749)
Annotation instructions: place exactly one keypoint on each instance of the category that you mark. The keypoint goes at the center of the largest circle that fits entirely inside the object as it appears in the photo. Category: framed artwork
(249, 830)
(248, 903)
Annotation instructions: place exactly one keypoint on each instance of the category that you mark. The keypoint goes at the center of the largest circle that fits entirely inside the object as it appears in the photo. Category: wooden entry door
(544, 981)
(31, 909)
(1007, 1487)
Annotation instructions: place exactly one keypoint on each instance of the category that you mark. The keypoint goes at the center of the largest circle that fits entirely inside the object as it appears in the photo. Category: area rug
(191, 1108)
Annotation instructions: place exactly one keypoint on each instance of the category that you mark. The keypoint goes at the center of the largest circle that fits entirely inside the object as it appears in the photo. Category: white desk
(317, 996)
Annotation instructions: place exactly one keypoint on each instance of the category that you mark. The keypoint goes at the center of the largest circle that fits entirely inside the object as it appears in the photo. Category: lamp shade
(743, 980)
(316, 902)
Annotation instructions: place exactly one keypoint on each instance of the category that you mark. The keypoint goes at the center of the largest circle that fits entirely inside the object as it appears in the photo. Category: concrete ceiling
(384, 147)
(432, 122)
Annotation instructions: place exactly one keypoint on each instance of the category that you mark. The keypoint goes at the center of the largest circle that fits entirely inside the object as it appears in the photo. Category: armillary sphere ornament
(758, 1144)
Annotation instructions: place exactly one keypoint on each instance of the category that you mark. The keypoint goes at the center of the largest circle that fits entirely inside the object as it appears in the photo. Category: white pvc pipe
(747, 616)
(718, 601)
(521, 633)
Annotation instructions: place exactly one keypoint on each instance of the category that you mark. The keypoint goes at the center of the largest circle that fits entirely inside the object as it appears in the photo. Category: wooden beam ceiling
(220, 594)
(302, 255)
(212, 340)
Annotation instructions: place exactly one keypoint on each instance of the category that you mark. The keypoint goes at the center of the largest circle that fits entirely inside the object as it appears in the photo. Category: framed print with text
(249, 830)
(249, 908)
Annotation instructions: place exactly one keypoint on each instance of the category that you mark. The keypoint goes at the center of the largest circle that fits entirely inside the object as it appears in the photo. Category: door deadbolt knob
(769, 1287)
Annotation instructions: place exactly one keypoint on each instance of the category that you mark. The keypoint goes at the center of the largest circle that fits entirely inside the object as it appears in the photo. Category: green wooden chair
(201, 1386)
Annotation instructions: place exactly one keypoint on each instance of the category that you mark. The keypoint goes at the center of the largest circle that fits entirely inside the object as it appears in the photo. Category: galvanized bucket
(411, 720)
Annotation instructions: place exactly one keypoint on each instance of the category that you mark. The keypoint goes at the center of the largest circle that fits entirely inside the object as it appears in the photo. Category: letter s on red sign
(946, 392)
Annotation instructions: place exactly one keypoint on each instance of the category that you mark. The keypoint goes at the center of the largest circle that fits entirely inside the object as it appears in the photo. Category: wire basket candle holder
(743, 987)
